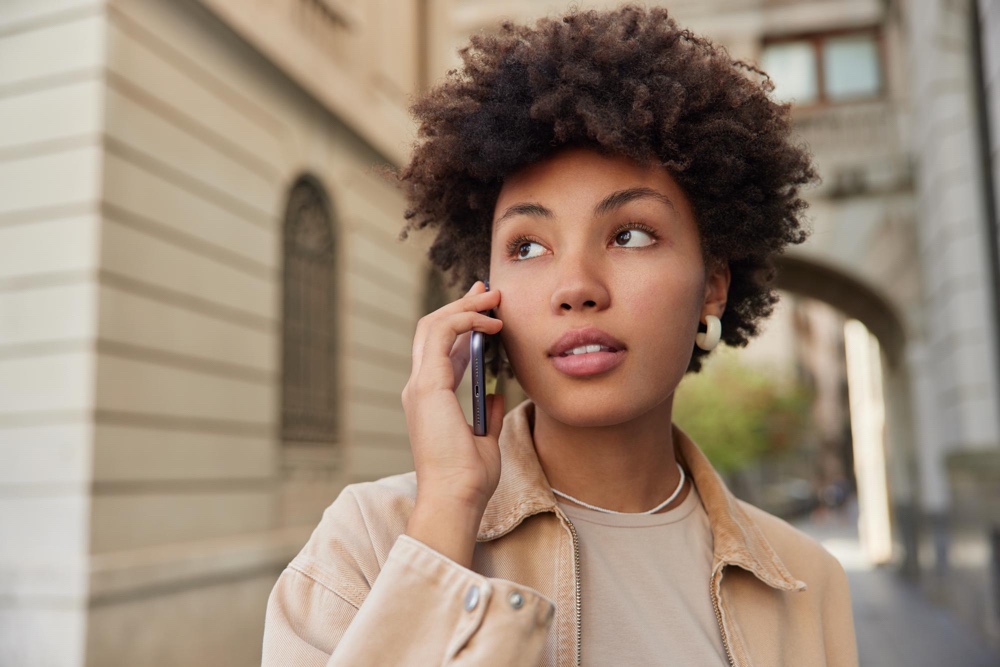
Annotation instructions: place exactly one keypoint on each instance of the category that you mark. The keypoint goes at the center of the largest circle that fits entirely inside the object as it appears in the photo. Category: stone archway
(854, 298)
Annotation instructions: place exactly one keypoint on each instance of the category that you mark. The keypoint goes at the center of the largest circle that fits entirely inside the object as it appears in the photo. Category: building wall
(146, 154)
(989, 18)
(197, 504)
(51, 59)
(952, 225)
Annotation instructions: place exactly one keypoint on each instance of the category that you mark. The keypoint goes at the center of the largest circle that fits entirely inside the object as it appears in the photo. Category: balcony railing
(857, 147)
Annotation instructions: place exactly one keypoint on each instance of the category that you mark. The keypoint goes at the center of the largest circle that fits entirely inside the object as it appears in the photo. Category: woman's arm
(422, 608)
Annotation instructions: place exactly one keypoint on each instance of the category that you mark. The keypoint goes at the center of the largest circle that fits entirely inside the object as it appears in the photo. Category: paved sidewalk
(896, 625)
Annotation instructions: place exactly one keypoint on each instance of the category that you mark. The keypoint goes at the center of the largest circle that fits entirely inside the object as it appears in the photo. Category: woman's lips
(591, 363)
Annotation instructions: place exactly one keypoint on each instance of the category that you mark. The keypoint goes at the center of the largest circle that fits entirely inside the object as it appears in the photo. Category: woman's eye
(524, 250)
(625, 238)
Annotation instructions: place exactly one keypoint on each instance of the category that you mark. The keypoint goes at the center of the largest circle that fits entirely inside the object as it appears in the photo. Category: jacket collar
(523, 490)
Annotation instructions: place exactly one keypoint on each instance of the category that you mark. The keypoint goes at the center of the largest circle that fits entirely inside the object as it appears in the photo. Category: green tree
(739, 414)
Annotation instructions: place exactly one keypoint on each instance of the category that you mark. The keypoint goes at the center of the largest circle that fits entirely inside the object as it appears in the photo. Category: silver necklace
(652, 511)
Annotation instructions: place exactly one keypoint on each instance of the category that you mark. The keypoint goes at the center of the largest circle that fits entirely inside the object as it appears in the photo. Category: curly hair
(627, 82)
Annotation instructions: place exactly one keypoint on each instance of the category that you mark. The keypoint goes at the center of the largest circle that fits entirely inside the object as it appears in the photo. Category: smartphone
(477, 345)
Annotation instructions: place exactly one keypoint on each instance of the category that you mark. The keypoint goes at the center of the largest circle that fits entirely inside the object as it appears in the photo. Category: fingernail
(487, 283)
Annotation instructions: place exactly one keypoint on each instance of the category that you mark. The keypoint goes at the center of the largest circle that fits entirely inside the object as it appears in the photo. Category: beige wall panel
(71, 46)
(303, 501)
(396, 34)
(47, 383)
(68, 244)
(45, 314)
(67, 177)
(371, 461)
(147, 198)
(218, 625)
(33, 11)
(194, 37)
(64, 517)
(385, 296)
(189, 93)
(134, 520)
(45, 454)
(389, 256)
(363, 201)
(377, 335)
(134, 453)
(373, 418)
(135, 320)
(374, 374)
(214, 166)
(149, 259)
(150, 387)
(51, 114)
(27, 631)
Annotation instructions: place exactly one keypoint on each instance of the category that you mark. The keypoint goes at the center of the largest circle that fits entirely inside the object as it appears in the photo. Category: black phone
(477, 345)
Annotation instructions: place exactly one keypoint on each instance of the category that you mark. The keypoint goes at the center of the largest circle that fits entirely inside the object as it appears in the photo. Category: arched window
(309, 392)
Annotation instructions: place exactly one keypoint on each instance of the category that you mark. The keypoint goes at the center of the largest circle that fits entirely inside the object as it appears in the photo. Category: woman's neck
(628, 467)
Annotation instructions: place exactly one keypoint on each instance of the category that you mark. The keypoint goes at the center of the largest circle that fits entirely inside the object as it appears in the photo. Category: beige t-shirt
(645, 587)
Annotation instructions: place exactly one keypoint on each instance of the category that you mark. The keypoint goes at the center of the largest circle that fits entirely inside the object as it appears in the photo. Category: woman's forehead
(585, 177)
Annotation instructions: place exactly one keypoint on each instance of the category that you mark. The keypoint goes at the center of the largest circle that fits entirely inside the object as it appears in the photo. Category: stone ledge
(974, 478)
(150, 571)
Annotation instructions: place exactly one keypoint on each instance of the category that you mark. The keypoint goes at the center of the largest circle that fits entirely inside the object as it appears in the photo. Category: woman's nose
(579, 288)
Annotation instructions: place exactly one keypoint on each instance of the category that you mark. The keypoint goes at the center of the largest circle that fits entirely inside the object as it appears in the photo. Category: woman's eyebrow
(524, 208)
(613, 201)
(618, 199)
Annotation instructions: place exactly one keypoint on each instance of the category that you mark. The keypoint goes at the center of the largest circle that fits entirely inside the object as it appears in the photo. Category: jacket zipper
(579, 602)
(718, 615)
(579, 598)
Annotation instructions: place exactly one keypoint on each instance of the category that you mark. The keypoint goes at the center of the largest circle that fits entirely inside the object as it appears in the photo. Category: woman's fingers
(460, 356)
(443, 334)
(475, 300)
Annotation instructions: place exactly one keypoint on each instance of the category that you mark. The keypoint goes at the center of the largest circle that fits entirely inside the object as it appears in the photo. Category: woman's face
(585, 241)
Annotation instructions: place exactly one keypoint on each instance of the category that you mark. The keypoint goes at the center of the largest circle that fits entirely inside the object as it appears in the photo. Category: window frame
(816, 40)
(293, 431)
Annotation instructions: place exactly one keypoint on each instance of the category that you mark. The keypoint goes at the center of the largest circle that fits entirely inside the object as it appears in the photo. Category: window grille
(309, 397)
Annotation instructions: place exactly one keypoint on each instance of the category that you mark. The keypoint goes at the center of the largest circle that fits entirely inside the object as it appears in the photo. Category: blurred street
(896, 625)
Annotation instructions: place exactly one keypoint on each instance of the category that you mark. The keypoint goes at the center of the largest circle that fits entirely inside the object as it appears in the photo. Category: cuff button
(516, 600)
(471, 598)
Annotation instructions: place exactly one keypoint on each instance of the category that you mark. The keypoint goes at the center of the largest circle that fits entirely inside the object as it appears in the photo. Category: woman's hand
(457, 471)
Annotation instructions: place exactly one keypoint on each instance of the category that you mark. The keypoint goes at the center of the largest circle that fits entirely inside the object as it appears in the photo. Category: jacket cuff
(506, 610)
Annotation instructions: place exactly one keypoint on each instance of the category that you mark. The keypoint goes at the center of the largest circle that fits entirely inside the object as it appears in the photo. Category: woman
(624, 184)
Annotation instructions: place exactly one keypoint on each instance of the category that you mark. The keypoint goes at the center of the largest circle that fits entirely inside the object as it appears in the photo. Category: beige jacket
(361, 593)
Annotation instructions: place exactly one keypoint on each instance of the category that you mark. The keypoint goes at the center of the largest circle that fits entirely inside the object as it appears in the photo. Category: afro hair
(628, 82)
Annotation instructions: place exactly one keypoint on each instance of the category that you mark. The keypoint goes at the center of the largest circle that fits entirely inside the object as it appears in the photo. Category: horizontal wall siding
(38, 54)
(182, 455)
(51, 55)
(46, 181)
(50, 115)
(130, 518)
(203, 141)
(169, 264)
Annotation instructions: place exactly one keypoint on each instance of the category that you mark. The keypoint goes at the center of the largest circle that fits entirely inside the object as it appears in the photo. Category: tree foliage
(739, 414)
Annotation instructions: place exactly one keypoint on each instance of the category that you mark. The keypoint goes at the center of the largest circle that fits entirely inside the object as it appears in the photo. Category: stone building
(203, 310)
(205, 318)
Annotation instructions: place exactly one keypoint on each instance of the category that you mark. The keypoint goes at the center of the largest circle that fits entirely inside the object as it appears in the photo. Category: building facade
(204, 310)
(206, 316)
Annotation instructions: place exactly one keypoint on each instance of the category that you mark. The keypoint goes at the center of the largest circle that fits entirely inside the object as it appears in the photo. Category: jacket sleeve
(421, 608)
(838, 620)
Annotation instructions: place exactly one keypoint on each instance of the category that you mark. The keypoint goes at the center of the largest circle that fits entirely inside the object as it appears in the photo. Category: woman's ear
(717, 281)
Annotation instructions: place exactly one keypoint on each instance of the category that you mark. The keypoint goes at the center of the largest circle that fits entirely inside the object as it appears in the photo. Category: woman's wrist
(450, 528)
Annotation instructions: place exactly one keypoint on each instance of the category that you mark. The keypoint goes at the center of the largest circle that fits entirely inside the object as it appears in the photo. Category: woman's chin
(590, 408)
